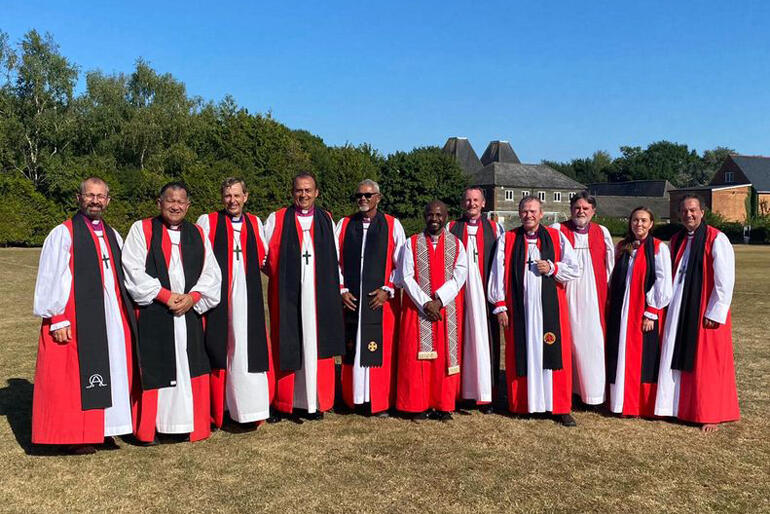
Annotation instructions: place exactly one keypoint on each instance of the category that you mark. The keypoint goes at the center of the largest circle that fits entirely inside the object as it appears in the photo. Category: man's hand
(543, 266)
(62, 335)
(432, 310)
(185, 303)
(349, 301)
(502, 318)
(708, 323)
(173, 300)
(378, 297)
(647, 325)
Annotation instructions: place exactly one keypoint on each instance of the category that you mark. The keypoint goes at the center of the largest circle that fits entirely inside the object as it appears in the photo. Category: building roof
(757, 170)
(645, 188)
(499, 151)
(462, 151)
(529, 176)
(621, 206)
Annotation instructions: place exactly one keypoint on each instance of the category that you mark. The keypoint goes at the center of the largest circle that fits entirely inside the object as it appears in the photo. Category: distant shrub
(26, 216)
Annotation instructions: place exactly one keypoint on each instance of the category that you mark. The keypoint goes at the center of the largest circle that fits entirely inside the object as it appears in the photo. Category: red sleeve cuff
(652, 310)
(58, 319)
(500, 304)
(163, 295)
(196, 296)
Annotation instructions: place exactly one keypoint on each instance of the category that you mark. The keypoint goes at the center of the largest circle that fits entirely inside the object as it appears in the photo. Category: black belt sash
(330, 324)
(217, 325)
(375, 258)
(688, 326)
(156, 323)
(650, 345)
(549, 303)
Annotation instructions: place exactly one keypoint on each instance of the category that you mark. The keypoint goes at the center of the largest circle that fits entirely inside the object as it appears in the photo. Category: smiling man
(432, 271)
(481, 332)
(527, 288)
(173, 277)
(306, 325)
(236, 332)
(696, 381)
(85, 350)
(587, 296)
(370, 242)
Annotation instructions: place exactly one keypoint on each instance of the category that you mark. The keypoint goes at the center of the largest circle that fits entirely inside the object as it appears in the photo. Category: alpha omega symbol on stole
(549, 338)
(94, 380)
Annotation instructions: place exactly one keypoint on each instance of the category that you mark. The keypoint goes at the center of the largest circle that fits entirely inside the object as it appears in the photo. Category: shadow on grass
(16, 406)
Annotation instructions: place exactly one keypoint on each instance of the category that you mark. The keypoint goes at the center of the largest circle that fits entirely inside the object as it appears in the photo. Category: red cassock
(146, 400)
(708, 393)
(430, 383)
(284, 380)
(57, 413)
(218, 376)
(382, 379)
(561, 379)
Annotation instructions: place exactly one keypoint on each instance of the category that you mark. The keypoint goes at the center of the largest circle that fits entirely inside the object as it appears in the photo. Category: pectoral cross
(682, 272)
(475, 255)
(237, 252)
(307, 257)
(106, 260)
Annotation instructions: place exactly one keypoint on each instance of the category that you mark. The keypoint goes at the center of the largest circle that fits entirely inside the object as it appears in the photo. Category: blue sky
(559, 80)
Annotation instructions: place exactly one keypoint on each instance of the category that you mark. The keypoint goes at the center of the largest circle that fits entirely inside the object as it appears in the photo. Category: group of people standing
(167, 333)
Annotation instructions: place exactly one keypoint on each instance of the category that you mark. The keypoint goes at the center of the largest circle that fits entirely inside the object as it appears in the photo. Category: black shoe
(109, 444)
(487, 408)
(566, 420)
(240, 428)
(175, 438)
(419, 416)
(80, 449)
(275, 418)
(382, 414)
(441, 415)
(132, 440)
(314, 416)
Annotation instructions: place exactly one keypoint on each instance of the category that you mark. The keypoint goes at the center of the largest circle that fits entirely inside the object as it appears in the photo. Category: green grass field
(346, 462)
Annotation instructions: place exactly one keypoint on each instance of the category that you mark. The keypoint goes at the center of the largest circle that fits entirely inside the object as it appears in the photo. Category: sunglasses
(358, 196)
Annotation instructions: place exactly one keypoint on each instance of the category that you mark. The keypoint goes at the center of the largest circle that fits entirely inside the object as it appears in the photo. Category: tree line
(142, 129)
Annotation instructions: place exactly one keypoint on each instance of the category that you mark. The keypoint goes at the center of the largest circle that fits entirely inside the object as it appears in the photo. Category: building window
(524, 193)
(509, 197)
(541, 195)
(729, 177)
(572, 195)
(557, 196)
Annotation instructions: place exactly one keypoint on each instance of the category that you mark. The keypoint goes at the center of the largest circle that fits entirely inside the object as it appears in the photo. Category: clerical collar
(174, 228)
(579, 230)
(532, 235)
(366, 220)
(305, 212)
(638, 242)
(97, 225)
(473, 222)
(235, 219)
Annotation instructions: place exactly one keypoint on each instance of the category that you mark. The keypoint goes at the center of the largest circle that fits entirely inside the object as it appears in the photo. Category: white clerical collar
(174, 228)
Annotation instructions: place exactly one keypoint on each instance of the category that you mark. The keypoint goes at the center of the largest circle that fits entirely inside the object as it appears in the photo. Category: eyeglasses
(358, 196)
(91, 196)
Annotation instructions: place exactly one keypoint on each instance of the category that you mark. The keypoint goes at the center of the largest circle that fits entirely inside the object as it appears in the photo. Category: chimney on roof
(462, 151)
(499, 151)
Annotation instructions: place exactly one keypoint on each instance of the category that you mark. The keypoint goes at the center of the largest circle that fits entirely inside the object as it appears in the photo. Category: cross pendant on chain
(106, 260)
(307, 257)
(237, 252)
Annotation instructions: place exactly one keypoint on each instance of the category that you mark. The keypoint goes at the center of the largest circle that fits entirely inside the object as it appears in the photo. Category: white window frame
(541, 196)
(572, 195)
(557, 196)
(729, 177)
(510, 195)
(524, 193)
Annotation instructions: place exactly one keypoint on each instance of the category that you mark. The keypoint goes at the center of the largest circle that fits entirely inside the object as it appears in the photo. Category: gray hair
(369, 182)
(530, 198)
(93, 180)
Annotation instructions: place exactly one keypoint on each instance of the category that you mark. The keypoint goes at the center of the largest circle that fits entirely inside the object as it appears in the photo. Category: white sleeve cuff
(389, 290)
(344, 290)
(717, 312)
(651, 316)
(498, 310)
(57, 326)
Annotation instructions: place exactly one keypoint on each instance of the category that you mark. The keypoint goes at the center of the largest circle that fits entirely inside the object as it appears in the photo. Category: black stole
(331, 328)
(688, 326)
(156, 323)
(217, 318)
(375, 257)
(93, 351)
(490, 248)
(548, 298)
(650, 346)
